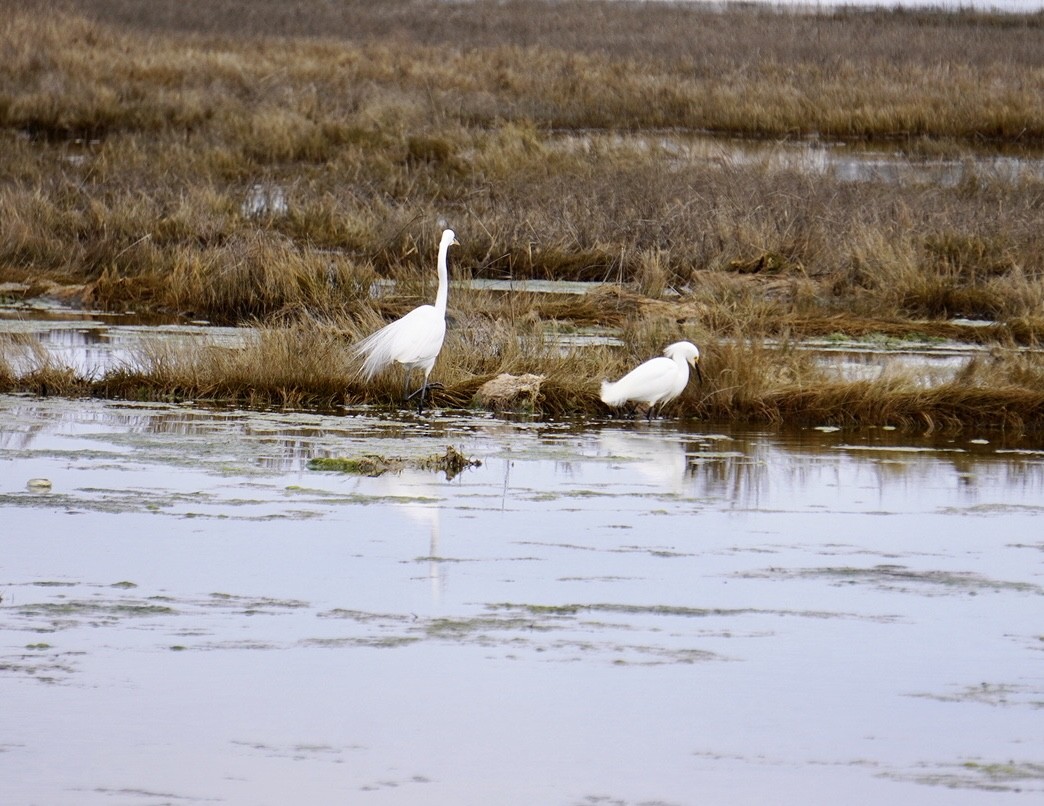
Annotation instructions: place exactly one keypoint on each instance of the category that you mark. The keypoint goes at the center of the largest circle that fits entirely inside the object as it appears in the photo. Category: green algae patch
(105, 609)
(452, 463)
(982, 775)
(1006, 773)
(366, 465)
(252, 605)
(998, 695)
(479, 625)
(898, 577)
(376, 642)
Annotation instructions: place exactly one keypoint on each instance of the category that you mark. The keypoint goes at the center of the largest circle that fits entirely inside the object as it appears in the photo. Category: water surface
(603, 612)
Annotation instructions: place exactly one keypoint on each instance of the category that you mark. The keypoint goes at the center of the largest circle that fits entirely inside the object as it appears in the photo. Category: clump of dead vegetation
(451, 463)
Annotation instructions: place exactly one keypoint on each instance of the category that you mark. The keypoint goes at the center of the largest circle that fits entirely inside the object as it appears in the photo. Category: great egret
(658, 380)
(415, 339)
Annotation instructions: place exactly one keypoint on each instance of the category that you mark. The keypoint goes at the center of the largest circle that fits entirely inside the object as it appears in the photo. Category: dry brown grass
(132, 150)
(133, 137)
(289, 367)
(571, 64)
(308, 366)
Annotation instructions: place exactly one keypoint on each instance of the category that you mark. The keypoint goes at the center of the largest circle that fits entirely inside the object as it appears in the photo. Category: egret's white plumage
(415, 339)
(658, 380)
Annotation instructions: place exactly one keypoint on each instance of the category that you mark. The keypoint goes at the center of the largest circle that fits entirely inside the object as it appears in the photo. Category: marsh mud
(599, 612)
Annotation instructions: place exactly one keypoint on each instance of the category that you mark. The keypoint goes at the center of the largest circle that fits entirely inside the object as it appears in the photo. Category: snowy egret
(658, 380)
(415, 339)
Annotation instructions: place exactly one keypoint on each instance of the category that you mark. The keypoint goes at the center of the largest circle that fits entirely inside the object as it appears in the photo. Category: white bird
(415, 339)
(658, 380)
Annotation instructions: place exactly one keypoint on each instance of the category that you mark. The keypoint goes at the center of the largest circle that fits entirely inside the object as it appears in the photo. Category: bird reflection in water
(420, 498)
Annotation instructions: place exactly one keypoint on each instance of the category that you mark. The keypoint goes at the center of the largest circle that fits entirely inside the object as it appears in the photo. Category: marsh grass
(554, 138)
(132, 152)
(25, 365)
(745, 380)
(288, 367)
(566, 64)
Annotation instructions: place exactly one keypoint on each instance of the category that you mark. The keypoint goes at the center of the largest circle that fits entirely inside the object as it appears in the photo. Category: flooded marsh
(598, 612)
(231, 572)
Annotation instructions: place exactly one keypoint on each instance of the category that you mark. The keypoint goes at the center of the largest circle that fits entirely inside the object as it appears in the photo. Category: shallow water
(96, 343)
(813, 157)
(600, 613)
(93, 344)
(848, 163)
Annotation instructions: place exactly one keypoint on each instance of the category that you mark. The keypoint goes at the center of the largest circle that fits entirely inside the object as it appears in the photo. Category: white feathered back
(655, 381)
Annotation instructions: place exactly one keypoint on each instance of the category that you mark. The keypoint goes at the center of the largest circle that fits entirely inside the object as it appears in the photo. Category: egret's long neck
(682, 364)
(443, 292)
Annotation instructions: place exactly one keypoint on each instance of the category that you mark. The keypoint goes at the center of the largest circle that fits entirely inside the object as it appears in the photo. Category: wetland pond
(601, 612)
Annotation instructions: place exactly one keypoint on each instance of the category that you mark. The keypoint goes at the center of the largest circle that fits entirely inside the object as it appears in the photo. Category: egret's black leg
(422, 392)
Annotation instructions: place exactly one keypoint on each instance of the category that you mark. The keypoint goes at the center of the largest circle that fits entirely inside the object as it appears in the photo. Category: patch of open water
(812, 156)
(842, 162)
(601, 612)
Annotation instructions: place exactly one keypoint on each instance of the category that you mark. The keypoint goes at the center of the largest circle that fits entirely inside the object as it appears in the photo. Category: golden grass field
(134, 135)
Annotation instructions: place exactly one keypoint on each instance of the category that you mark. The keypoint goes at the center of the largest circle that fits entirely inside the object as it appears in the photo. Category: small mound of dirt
(507, 391)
